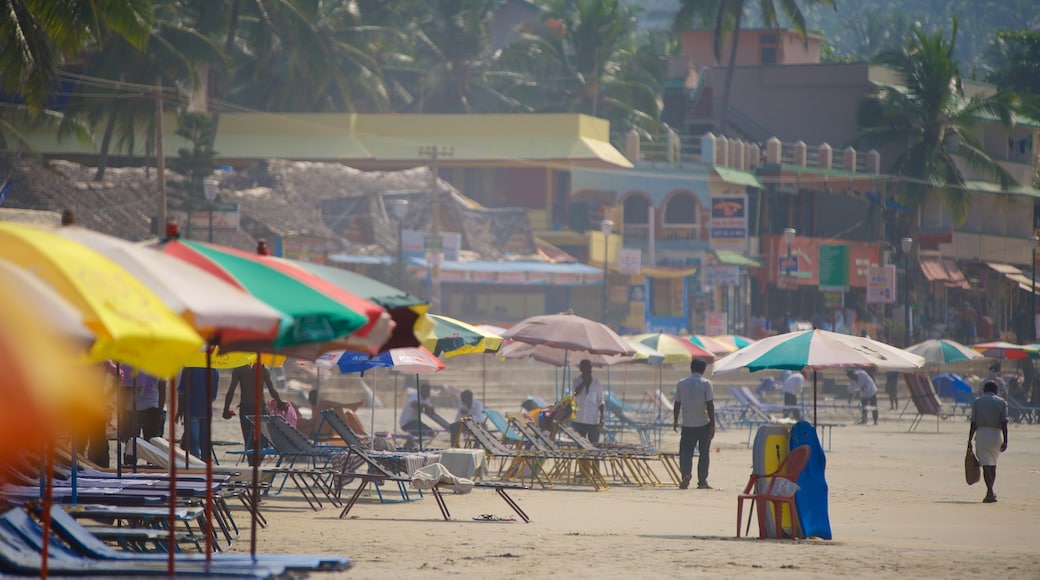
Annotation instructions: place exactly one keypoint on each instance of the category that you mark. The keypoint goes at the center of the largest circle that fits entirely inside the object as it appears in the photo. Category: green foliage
(1015, 60)
(928, 116)
(194, 162)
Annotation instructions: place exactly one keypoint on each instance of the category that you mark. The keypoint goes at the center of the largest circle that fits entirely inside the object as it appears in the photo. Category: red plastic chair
(772, 493)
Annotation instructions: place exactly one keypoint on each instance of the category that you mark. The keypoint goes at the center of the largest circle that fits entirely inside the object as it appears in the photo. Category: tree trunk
(106, 142)
(724, 117)
(219, 83)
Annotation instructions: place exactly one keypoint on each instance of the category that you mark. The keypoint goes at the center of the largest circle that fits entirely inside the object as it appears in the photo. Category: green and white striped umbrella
(943, 351)
(818, 349)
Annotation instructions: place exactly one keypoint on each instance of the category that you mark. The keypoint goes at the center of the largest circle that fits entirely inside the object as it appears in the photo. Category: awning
(944, 270)
(1015, 274)
(988, 187)
(736, 259)
(1004, 268)
(737, 177)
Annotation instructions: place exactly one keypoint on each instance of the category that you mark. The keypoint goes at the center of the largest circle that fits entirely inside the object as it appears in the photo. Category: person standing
(968, 318)
(695, 403)
(864, 387)
(143, 398)
(989, 420)
(892, 389)
(468, 407)
(794, 382)
(245, 376)
(996, 377)
(588, 395)
(192, 404)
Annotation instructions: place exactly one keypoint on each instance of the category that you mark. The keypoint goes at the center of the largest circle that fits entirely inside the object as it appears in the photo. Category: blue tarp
(951, 386)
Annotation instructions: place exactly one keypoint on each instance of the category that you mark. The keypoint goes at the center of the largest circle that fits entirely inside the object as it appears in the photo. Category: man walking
(989, 419)
(864, 387)
(794, 381)
(695, 400)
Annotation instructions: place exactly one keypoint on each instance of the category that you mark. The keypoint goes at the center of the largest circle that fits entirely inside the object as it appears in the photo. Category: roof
(989, 187)
(737, 177)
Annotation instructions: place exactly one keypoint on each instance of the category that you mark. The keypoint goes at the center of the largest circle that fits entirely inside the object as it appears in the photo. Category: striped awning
(943, 270)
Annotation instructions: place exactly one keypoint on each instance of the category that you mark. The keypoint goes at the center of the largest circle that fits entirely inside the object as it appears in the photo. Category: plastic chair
(777, 490)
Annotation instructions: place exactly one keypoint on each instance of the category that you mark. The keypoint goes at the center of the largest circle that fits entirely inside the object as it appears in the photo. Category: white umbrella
(818, 349)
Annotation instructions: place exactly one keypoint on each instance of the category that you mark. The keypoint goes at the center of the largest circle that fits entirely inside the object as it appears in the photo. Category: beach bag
(972, 470)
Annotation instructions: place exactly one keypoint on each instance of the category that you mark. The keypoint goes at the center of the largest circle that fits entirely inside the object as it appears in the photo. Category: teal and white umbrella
(943, 351)
(816, 350)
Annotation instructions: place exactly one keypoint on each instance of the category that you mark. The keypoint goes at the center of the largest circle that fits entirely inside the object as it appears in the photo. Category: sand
(898, 506)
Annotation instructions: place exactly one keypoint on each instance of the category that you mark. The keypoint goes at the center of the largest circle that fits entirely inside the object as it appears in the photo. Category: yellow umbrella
(450, 337)
(132, 325)
(232, 360)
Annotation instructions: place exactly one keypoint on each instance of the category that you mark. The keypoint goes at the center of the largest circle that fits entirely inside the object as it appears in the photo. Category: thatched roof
(345, 207)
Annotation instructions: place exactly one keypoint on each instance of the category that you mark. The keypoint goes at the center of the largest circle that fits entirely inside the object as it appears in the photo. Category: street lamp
(1032, 310)
(400, 211)
(605, 226)
(210, 187)
(907, 244)
(789, 234)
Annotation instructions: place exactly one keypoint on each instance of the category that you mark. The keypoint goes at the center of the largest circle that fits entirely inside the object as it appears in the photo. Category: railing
(684, 232)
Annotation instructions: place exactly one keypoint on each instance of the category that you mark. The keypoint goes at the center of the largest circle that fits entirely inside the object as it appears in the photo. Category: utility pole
(160, 159)
(434, 243)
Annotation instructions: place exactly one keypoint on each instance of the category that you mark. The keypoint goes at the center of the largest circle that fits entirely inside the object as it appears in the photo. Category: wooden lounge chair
(515, 464)
(634, 460)
(572, 465)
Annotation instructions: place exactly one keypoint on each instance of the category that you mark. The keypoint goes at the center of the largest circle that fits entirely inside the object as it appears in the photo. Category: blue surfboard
(811, 499)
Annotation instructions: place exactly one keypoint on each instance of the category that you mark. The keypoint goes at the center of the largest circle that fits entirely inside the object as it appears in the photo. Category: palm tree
(115, 86)
(38, 34)
(587, 57)
(930, 119)
(727, 17)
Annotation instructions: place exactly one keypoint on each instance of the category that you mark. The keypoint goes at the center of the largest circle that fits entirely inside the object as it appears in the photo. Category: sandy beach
(898, 506)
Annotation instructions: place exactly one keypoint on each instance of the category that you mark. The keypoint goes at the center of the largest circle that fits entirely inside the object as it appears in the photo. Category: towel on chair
(435, 473)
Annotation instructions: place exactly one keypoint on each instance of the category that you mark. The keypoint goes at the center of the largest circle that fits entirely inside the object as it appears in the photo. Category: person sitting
(417, 404)
(468, 407)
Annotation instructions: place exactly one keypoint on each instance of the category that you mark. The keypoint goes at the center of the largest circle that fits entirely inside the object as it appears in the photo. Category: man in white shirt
(409, 419)
(468, 407)
(862, 386)
(588, 394)
(695, 403)
(793, 384)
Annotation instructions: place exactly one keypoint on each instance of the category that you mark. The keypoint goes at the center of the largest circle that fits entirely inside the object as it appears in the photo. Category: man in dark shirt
(247, 377)
(192, 404)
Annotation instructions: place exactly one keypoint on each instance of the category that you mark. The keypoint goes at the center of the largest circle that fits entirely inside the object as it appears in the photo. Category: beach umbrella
(673, 348)
(569, 332)
(47, 387)
(735, 341)
(131, 324)
(410, 360)
(818, 349)
(1004, 350)
(711, 345)
(944, 351)
(449, 337)
(558, 357)
(220, 312)
(312, 319)
(405, 310)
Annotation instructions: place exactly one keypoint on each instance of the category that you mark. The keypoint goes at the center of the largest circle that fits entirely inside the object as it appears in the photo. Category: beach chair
(515, 463)
(924, 398)
(82, 541)
(777, 491)
(573, 466)
(500, 423)
(635, 462)
(21, 556)
(761, 409)
(621, 417)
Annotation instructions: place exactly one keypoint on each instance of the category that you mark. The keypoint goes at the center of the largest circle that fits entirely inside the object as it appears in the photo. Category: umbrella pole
(660, 405)
(418, 403)
(120, 404)
(483, 379)
(171, 516)
(257, 417)
(814, 397)
(206, 447)
(48, 494)
(372, 402)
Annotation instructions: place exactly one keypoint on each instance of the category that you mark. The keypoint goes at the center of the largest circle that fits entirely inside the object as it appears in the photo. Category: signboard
(729, 224)
(226, 217)
(306, 248)
(834, 268)
(630, 260)
(416, 244)
(881, 284)
(787, 272)
(714, 323)
(720, 275)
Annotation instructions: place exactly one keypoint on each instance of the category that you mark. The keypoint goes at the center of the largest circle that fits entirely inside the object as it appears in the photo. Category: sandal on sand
(493, 518)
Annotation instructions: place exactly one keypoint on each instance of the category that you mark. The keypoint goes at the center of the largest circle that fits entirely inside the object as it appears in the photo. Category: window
(768, 49)
(637, 210)
(681, 210)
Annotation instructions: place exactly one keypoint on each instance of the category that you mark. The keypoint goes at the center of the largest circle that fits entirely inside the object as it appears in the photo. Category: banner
(729, 223)
(881, 284)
